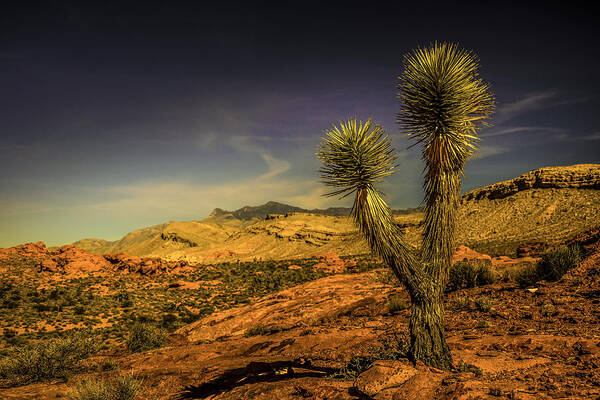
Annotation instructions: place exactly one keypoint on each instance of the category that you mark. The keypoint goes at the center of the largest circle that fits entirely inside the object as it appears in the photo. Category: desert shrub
(396, 303)
(466, 274)
(145, 336)
(168, 321)
(108, 365)
(483, 324)
(555, 263)
(466, 367)
(354, 367)
(527, 276)
(56, 358)
(461, 303)
(262, 330)
(484, 304)
(275, 280)
(548, 310)
(124, 387)
(392, 347)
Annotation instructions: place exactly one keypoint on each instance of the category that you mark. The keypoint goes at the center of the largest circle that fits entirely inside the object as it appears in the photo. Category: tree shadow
(254, 372)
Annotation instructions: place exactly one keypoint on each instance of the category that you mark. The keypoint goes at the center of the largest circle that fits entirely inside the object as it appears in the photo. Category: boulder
(463, 253)
(382, 375)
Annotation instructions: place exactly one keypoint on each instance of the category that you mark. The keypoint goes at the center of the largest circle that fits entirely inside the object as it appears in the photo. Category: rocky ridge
(580, 176)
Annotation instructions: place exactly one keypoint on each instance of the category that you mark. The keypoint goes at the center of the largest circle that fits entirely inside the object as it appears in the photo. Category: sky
(119, 116)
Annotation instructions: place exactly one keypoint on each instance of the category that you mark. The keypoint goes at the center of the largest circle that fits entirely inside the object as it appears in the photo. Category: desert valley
(280, 302)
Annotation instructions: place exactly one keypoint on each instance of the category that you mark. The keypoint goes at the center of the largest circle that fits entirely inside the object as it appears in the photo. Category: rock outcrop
(581, 176)
(29, 250)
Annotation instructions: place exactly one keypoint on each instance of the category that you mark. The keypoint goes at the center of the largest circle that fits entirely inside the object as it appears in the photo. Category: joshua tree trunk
(444, 102)
(427, 336)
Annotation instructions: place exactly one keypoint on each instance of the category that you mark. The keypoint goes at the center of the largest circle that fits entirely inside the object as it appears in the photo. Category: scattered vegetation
(468, 274)
(52, 359)
(33, 309)
(145, 336)
(392, 347)
(125, 387)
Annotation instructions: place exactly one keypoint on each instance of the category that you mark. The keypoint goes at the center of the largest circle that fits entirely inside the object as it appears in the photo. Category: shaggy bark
(427, 335)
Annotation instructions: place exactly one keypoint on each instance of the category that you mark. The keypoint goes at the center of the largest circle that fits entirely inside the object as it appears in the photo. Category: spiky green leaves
(355, 155)
(443, 103)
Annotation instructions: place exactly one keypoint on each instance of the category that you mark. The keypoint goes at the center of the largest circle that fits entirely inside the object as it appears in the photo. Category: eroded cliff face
(580, 176)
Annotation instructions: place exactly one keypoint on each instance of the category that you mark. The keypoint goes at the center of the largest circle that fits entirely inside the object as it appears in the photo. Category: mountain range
(546, 205)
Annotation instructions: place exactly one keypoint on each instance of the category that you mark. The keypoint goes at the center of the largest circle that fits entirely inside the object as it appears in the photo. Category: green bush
(467, 274)
(125, 387)
(553, 265)
(145, 336)
(528, 276)
(57, 358)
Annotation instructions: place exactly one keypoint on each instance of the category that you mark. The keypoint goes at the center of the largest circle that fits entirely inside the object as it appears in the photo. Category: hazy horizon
(119, 117)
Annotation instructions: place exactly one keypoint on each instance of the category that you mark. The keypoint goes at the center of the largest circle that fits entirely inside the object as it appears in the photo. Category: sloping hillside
(545, 205)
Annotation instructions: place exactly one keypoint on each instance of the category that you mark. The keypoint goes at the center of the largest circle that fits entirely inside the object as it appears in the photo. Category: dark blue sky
(119, 116)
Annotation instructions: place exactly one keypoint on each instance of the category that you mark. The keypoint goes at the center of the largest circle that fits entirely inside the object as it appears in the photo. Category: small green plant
(462, 303)
(262, 330)
(124, 387)
(392, 347)
(354, 367)
(548, 310)
(483, 324)
(484, 304)
(467, 274)
(108, 365)
(57, 358)
(396, 303)
(466, 367)
(145, 336)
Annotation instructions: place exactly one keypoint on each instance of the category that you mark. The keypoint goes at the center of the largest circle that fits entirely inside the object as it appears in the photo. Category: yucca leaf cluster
(443, 102)
(355, 156)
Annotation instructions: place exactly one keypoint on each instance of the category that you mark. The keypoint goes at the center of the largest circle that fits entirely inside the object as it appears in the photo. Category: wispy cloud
(528, 103)
(593, 136)
(522, 129)
(250, 144)
(490, 150)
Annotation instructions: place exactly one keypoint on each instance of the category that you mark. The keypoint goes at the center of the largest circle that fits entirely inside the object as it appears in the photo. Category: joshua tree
(443, 102)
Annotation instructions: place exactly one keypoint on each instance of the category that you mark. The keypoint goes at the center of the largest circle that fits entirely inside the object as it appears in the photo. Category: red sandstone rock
(30, 250)
(463, 253)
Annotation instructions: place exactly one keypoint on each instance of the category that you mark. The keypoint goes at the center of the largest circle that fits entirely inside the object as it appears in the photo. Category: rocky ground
(508, 342)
